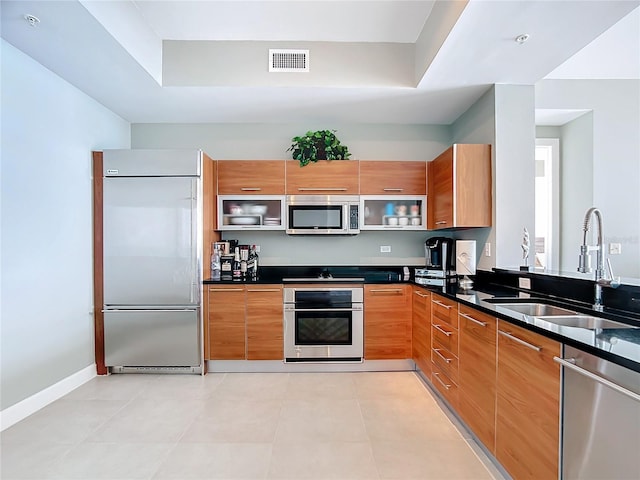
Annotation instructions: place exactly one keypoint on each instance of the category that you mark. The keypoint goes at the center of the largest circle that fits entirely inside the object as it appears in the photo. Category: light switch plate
(385, 248)
(524, 283)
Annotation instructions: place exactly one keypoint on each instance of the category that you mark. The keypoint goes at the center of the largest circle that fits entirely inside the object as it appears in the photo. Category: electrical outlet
(487, 249)
(615, 249)
(385, 248)
(524, 283)
(257, 248)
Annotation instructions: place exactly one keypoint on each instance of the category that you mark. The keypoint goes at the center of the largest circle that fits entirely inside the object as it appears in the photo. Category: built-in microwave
(323, 214)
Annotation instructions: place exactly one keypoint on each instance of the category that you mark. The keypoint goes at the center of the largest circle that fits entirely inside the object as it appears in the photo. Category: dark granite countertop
(620, 345)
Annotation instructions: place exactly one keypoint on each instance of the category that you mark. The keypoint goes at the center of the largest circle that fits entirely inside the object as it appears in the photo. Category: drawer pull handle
(521, 342)
(444, 305)
(437, 350)
(445, 385)
(226, 289)
(420, 294)
(482, 324)
(442, 222)
(319, 189)
(438, 327)
(393, 189)
(251, 189)
(263, 290)
(386, 290)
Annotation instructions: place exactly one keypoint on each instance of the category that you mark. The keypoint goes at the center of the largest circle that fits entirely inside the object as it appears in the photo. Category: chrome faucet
(584, 262)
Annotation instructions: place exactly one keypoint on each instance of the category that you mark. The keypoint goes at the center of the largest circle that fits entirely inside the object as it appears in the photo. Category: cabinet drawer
(444, 310)
(446, 360)
(446, 336)
(445, 386)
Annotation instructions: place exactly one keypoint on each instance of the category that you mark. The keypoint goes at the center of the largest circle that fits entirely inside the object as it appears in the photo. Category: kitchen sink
(584, 321)
(536, 309)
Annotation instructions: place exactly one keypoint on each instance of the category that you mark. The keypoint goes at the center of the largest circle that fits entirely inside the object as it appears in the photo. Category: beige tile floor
(244, 426)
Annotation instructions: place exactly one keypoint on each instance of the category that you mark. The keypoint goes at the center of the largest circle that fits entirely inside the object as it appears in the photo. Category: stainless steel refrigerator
(152, 244)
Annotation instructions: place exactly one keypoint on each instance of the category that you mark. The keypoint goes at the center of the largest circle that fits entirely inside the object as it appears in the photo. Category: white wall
(504, 118)
(616, 158)
(576, 187)
(478, 125)
(514, 172)
(49, 129)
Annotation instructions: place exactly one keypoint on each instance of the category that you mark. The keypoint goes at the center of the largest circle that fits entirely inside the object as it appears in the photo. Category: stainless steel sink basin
(583, 321)
(536, 309)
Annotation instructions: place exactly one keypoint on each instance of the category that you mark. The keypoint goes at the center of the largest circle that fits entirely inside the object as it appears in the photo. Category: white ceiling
(112, 50)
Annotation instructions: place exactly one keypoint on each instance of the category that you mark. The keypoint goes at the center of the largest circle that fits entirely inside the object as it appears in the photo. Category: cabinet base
(270, 366)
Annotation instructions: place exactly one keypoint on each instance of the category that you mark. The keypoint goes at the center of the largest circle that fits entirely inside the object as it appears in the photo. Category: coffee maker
(440, 262)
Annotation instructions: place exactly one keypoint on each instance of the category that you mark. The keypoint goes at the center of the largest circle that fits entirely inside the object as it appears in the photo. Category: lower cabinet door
(528, 404)
(477, 374)
(387, 322)
(264, 323)
(226, 323)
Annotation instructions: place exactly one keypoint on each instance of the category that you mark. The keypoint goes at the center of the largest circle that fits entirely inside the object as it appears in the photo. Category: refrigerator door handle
(195, 219)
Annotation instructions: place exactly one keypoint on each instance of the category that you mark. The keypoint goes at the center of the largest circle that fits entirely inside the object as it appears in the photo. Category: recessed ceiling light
(522, 38)
(32, 19)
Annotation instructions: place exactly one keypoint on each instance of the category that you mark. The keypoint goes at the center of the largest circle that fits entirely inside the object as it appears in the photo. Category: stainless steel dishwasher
(601, 418)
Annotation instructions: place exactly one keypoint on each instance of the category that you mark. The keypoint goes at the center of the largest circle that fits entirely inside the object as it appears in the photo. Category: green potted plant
(318, 145)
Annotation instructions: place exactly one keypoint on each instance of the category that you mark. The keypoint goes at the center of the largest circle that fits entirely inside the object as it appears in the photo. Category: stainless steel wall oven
(323, 324)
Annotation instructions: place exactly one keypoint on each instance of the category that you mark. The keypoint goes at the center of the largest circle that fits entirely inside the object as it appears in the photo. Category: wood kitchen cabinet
(251, 177)
(264, 317)
(444, 347)
(226, 322)
(244, 322)
(387, 322)
(325, 177)
(528, 403)
(459, 187)
(477, 373)
(393, 178)
(421, 329)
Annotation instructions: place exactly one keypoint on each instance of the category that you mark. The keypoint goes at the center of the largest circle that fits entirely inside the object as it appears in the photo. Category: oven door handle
(326, 310)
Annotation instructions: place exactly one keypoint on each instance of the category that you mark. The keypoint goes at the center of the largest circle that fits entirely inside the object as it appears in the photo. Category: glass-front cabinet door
(251, 212)
(390, 212)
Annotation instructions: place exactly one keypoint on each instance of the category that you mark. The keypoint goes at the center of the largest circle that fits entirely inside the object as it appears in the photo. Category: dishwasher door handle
(570, 364)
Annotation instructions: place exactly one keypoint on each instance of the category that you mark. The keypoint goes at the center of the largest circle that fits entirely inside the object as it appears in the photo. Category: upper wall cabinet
(325, 177)
(393, 178)
(459, 192)
(251, 177)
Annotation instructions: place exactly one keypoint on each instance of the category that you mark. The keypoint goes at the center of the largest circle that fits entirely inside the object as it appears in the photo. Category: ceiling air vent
(288, 60)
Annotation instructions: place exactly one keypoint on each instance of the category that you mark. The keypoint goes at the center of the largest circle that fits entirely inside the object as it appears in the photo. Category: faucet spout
(584, 262)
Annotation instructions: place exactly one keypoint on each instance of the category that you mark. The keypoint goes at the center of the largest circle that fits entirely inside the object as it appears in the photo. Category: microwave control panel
(354, 222)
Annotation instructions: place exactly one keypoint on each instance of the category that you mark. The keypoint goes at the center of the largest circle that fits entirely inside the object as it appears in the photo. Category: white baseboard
(21, 410)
